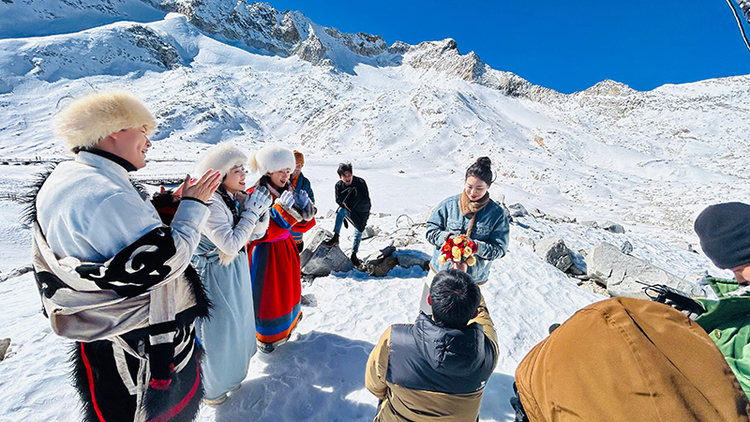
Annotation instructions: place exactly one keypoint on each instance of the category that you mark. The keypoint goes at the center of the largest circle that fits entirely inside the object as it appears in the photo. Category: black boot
(332, 241)
(355, 260)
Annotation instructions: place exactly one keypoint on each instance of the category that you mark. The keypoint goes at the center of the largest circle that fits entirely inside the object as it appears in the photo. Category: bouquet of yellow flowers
(458, 249)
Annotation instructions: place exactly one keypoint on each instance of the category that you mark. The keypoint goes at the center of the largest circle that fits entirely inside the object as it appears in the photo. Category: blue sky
(564, 45)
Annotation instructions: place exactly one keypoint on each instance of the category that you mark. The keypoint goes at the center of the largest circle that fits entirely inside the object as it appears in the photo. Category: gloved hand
(286, 199)
(302, 200)
(257, 203)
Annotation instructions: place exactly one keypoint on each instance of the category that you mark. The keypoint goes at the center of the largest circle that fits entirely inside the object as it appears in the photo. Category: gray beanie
(724, 231)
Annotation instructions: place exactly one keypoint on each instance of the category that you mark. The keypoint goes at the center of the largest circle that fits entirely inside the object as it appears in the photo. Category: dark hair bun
(482, 169)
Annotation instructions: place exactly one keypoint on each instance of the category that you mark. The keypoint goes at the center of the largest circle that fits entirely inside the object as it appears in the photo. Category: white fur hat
(221, 157)
(94, 116)
(272, 158)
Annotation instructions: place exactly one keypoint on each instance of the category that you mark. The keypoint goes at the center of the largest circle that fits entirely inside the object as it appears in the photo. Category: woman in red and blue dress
(274, 259)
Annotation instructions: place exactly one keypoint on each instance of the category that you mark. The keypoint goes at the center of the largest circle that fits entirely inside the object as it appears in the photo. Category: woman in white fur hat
(274, 259)
(235, 219)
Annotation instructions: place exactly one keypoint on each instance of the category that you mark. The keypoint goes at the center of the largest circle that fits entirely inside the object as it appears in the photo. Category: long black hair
(481, 169)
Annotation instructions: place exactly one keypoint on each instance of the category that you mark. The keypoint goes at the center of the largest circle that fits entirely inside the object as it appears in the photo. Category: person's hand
(203, 188)
(461, 266)
(258, 202)
(287, 199)
(302, 200)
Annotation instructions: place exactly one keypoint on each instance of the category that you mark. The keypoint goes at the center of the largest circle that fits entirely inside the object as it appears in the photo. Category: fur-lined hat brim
(222, 158)
(94, 116)
(272, 158)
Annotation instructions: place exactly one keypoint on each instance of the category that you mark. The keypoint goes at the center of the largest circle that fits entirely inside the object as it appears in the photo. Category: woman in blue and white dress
(235, 218)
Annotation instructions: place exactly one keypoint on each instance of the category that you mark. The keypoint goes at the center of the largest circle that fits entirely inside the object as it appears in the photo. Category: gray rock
(4, 345)
(370, 232)
(379, 263)
(317, 260)
(526, 241)
(331, 214)
(407, 260)
(534, 212)
(623, 274)
(613, 227)
(626, 247)
(554, 251)
(590, 223)
(517, 210)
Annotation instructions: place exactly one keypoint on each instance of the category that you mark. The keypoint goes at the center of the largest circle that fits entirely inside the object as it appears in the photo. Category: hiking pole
(744, 6)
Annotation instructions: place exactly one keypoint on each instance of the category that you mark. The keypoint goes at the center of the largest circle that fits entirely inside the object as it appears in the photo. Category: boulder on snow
(623, 274)
(554, 251)
(4, 345)
(370, 232)
(318, 260)
(379, 263)
(409, 259)
(517, 210)
(626, 248)
(526, 241)
(612, 227)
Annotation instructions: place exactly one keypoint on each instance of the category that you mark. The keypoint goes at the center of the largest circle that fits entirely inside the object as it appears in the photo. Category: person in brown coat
(436, 369)
(623, 360)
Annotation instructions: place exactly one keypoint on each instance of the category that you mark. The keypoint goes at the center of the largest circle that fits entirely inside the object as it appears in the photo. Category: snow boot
(332, 241)
(355, 260)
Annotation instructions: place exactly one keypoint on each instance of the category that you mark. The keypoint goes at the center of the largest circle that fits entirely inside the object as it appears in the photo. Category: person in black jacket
(436, 369)
(354, 205)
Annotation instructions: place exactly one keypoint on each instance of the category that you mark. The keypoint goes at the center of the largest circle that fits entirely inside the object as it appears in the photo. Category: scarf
(470, 208)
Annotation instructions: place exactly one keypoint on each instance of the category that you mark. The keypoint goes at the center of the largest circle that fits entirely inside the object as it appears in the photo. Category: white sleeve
(220, 232)
(120, 220)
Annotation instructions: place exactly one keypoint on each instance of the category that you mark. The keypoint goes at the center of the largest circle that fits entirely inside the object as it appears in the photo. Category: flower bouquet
(458, 249)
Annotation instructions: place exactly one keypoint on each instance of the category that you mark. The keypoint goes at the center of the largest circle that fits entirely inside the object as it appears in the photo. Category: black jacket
(425, 356)
(356, 197)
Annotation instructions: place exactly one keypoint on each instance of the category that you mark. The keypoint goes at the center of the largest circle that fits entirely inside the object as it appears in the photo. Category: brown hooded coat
(627, 360)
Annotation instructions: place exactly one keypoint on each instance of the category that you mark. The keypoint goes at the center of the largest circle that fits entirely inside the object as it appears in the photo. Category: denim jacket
(490, 233)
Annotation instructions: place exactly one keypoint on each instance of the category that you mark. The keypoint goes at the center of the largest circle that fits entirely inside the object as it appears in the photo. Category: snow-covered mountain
(410, 118)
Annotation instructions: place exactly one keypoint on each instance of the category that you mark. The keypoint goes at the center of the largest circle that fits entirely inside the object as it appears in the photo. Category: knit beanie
(94, 116)
(299, 157)
(221, 157)
(272, 158)
(724, 232)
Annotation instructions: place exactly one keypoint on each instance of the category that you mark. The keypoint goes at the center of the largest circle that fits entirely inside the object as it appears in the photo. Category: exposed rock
(408, 260)
(517, 210)
(330, 214)
(612, 227)
(16, 272)
(370, 232)
(623, 274)
(317, 260)
(626, 247)
(554, 251)
(590, 223)
(164, 54)
(526, 241)
(311, 50)
(4, 345)
(378, 264)
(536, 213)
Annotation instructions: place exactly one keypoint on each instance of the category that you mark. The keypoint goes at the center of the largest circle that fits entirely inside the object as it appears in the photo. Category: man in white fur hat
(111, 275)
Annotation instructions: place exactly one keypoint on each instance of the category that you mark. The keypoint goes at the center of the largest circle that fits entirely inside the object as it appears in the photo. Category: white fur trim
(260, 227)
(272, 158)
(221, 157)
(94, 116)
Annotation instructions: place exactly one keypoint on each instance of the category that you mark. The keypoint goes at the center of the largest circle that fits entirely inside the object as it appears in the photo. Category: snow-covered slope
(410, 118)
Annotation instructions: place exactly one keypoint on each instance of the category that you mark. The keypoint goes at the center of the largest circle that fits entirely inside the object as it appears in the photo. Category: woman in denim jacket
(473, 214)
